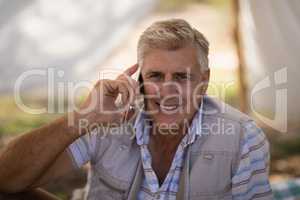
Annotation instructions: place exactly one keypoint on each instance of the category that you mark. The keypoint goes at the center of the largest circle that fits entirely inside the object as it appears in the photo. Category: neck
(167, 138)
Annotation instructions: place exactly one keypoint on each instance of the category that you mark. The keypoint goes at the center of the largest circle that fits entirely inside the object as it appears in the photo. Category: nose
(169, 87)
(170, 93)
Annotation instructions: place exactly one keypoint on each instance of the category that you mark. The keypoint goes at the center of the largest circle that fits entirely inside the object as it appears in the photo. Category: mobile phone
(140, 80)
(140, 100)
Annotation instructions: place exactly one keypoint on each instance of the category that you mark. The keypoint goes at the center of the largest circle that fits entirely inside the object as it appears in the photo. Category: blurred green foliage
(15, 121)
(284, 146)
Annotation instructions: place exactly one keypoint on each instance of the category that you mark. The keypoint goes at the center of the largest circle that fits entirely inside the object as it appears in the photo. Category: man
(181, 144)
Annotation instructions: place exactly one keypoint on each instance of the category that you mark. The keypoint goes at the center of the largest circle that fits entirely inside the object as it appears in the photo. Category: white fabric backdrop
(271, 37)
(73, 36)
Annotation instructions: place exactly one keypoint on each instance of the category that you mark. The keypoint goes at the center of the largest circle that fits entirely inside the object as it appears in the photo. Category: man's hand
(41, 153)
(103, 105)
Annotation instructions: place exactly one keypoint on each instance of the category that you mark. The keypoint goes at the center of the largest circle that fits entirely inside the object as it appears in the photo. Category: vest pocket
(108, 184)
(210, 174)
(106, 187)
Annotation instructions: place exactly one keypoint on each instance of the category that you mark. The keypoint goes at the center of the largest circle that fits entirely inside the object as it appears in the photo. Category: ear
(205, 75)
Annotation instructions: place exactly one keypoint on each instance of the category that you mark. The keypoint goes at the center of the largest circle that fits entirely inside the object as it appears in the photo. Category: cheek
(151, 91)
(191, 97)
(187, 94)
(151, 94)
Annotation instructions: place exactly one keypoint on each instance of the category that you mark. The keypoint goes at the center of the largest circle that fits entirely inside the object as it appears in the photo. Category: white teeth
(168, 108)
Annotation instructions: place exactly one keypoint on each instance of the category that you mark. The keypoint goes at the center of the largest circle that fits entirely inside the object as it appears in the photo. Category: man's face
(173, 85)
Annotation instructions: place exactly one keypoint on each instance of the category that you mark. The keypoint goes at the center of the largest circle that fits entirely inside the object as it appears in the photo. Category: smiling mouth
(167, 107)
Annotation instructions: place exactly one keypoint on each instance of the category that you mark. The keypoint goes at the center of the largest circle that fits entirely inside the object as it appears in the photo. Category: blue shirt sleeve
(82, 149)
(251, 177)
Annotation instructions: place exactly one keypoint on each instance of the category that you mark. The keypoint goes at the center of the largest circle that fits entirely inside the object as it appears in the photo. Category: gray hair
(171, 35)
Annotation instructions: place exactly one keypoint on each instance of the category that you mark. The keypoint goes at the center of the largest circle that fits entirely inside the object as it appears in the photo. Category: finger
(126, 75)
(122, 89)
(133, 83)
(131, 93)
(131, 113)
(135, 90)
(117, 91)
(136, 87)
(127, 93)
(131, 70)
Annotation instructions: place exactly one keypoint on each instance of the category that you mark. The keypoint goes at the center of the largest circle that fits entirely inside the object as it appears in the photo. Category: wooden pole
(243, 89)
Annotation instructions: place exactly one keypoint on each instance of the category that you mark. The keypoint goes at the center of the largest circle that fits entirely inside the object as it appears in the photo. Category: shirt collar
(142, 131)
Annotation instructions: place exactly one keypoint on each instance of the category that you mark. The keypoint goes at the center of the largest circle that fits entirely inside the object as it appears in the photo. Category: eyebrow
(180, 73)
(176, 72)
(153, 72)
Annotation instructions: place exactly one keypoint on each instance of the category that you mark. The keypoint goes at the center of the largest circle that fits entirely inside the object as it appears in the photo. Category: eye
(182, 77)
(155, 76)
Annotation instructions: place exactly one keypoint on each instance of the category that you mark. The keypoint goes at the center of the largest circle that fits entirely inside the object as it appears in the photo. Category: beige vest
(116, 169)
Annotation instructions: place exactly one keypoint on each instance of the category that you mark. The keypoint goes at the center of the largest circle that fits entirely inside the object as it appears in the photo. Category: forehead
(178, 60)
